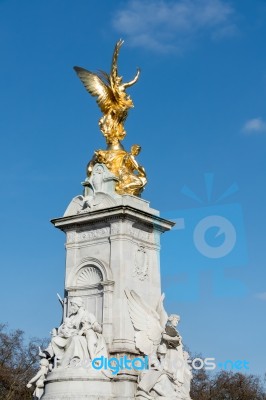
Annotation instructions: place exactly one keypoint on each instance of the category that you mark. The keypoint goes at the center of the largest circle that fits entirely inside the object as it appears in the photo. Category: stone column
(107, 251)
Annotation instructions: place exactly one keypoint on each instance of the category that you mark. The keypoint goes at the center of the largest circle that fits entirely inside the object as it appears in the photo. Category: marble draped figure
(113, 306)
(78, 338)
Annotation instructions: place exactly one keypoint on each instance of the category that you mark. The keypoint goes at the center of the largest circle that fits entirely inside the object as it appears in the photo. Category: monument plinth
(108, 251)
(116, 340)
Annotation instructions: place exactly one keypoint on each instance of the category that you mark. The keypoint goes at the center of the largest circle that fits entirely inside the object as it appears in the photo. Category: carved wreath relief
(141, 265)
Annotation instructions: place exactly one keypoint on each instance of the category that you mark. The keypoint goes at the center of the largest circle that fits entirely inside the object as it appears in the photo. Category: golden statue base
(122, 164)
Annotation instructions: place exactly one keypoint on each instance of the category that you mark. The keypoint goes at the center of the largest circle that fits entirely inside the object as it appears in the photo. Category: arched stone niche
(92, 281)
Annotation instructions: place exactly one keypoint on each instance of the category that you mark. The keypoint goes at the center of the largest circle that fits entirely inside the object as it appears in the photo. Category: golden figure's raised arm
(126, 85)
(115, 80)
(114, 68)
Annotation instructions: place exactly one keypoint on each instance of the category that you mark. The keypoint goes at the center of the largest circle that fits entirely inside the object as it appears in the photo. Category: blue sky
(200, 117)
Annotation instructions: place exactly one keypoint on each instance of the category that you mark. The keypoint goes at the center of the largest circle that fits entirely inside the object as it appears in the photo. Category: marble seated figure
(79, 338)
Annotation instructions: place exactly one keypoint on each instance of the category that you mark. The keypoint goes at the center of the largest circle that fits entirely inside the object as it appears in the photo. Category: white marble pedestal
(112, 244)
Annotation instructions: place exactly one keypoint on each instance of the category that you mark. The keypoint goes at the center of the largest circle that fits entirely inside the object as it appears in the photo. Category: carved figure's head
(118, 81)
(174, 319)
(135, 149)
(75, 304)
(44, 362)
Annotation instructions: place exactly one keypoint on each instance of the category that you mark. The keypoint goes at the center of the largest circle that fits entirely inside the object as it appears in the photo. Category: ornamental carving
(89, 275)
(141, 264)
(93, 234)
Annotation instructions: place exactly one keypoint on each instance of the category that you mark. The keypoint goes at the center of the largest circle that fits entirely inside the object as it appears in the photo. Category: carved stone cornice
(113, 214)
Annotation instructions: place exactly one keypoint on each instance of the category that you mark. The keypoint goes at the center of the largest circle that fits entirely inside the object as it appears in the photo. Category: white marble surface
(112, 245)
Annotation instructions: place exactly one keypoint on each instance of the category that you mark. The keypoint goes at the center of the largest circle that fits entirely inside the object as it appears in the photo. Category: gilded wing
(97, 88)
(114, 70)
(146, 322)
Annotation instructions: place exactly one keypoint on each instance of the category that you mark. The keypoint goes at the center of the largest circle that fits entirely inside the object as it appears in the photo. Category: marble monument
(116, 340)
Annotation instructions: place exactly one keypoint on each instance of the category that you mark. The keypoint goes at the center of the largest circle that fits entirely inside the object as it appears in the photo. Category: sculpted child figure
(79, 337)
(39, 378)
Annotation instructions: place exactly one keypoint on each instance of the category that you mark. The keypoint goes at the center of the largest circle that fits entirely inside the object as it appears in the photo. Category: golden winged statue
(114, 103)
(112, 98)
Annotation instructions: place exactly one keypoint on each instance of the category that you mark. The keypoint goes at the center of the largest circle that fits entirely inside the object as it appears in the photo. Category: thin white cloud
(165, 25)
(255, 125)
(261, 296)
